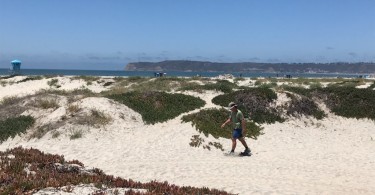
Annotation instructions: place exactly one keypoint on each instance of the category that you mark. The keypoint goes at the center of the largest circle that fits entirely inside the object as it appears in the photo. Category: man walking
(239, 132)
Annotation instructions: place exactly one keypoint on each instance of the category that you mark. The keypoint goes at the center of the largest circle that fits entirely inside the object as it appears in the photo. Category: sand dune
(332, 156)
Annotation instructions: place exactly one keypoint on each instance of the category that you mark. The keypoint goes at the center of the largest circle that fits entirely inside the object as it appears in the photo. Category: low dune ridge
(334, 155)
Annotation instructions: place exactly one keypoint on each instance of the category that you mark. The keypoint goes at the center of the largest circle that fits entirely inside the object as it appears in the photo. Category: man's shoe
(247, 151)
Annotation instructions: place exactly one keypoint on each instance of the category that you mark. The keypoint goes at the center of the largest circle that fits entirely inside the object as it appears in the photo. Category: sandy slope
(332, 156)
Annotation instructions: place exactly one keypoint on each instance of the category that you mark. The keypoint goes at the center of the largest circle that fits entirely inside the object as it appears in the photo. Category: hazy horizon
(107, 35)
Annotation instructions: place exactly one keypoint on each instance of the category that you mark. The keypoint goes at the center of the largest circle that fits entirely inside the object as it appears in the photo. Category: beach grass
(220, 85)
(158, 106)
(208, 122)
(14, 126)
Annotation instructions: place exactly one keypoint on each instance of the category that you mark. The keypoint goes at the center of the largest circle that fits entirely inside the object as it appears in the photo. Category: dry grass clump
(76, 134)
(53, 83)
(95, 118)
(40, 131)
(45, 103)
(26, 171)
(73, 108)
(9, 100)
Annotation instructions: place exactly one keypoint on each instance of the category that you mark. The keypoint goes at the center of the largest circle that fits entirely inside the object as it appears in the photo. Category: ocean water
(30, 72)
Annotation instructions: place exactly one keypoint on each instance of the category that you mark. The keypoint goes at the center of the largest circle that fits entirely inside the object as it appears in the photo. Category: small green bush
(31, 78)
(76, 134)
(14, 126)
(10, 100)
(209, 122)
(221, 85)
(298, 90)
(46, 103)
(372, 86)
(54, 83)
(158, 106)
(254, 103)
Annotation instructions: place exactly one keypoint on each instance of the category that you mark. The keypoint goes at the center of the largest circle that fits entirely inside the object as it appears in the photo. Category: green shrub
(258, 82)
(9, 100)
(76, 134)
(41, 131)
(221, 85)
(209, 122)
(14, 126)
(31, 78)
(254, 103)
(54, 83)
(85, 78)
(266, 116)
(372, 86)
(316, 85)
(350, 102)
(159, 84)
(158, 106)
(304, 106)
(268, 85)
(298, 90)
(46, 103)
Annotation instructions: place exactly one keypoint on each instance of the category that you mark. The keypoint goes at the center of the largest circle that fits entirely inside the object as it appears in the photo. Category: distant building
(16, 67)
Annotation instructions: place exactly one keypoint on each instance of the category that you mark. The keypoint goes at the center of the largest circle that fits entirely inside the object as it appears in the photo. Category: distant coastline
(115, 73)
(253, 67)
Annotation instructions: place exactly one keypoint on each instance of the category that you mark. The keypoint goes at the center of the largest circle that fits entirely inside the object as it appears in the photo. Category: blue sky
(108, 34)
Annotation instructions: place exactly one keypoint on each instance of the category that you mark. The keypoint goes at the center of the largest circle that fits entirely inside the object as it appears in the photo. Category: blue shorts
(237, 133)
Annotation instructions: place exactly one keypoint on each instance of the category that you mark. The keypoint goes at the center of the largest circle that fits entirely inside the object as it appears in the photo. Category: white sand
(332, 156)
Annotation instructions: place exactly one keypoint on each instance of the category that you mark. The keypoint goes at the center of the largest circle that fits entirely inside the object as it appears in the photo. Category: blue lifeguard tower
(16, 67)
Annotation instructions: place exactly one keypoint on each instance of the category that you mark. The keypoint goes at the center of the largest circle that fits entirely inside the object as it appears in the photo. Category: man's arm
(226, 122)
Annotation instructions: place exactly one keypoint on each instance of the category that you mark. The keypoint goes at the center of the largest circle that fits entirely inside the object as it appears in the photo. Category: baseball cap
(231, 105)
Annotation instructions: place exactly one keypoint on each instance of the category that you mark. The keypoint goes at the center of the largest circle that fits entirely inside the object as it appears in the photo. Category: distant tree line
(197, 66)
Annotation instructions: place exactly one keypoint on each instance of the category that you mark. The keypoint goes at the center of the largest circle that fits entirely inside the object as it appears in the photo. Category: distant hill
(201, 66)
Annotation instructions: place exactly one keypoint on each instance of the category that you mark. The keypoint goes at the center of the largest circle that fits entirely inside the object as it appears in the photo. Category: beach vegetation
(253, 103)
(209, 121)
(220, 85)
(56, 134)
(76, 134)
(26, 171)
(73, 108)
(94, 118)
(40, 131)
(303, 106)
(298, 90)
(158, 106)
(159, 84)
(30, 78)
(315, 85)
(14, 126)
(372, 86)
(9, 100)
(342, 99)
(45, 103)
(258, 82)
(53, 83)
(350, 101)
(3, 83)
(108, 83)
(85, 78)
(268, 85)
